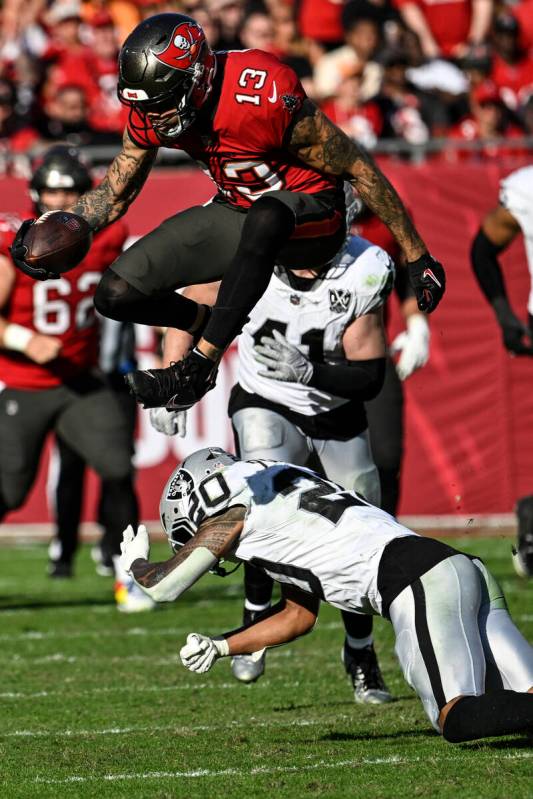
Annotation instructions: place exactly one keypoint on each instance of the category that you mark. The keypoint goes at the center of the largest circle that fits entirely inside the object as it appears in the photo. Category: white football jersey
(358, 282)
(516, 194)
(304, 530)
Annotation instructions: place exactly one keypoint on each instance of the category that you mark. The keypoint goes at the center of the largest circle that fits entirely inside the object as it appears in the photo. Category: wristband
(417, 324)
(17, 337)
(222, 646)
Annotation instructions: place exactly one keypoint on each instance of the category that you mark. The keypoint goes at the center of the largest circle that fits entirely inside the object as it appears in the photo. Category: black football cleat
(523, 554)
(178, 387)
(60, 569)
(363, 670)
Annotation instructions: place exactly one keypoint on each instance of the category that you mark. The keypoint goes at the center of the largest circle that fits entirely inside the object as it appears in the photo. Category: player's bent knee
(269, 219)
(114, 296)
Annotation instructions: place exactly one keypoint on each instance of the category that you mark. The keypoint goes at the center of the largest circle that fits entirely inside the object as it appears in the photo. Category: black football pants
(85, 414)
(118, 505)
(202, 244)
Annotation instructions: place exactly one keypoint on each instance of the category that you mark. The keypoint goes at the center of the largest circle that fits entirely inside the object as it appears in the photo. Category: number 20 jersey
(62, 308)
(306, 531)
(243, 148)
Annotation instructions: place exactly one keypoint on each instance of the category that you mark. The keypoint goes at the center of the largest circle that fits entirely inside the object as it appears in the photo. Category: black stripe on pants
(425, 644)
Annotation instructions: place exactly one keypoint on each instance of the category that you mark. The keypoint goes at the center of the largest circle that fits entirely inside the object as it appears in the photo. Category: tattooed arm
(314, 139)
(122, 183)
(320, 144)
(167, 580)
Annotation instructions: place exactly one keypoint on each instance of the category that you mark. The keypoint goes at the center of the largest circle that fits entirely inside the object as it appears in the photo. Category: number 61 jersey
(304, 530)
(62, 308)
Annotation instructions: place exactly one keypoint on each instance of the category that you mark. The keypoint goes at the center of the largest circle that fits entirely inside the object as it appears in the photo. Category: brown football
(57, 241)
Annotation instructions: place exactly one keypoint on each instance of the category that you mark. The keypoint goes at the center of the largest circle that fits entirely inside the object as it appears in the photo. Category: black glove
(428, 279)
(19, 251)
(513, 329)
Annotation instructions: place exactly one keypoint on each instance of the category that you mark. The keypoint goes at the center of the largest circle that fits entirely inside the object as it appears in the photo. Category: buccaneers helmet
(61, 167)
(166, 70)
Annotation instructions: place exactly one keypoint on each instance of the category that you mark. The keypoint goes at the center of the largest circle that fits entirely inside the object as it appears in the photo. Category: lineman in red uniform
(49, 350)
(278, 165)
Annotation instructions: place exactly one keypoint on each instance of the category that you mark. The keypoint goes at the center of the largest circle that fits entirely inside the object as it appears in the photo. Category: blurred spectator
(512, 68)
(67, 120)
(361, 121)
(407, 112)
(106, 111)
(210, 27)
(362, 36)
(320, 20)
(229, 16)
(257, 32)
(447, 27)
(124, 13)
(487, 121)
(523, 11)
(15, 134)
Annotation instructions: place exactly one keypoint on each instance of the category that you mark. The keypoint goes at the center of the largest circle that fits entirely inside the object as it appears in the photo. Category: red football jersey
(62, 307)
(243, 150)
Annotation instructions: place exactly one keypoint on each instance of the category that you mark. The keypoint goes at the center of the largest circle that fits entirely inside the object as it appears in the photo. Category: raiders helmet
(60, 168)
(179, 508)
(166, 68)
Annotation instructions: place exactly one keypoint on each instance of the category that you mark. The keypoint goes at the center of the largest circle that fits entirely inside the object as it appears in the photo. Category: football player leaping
(278, 165)
(501, 226)
(311, 353)
(455, 640)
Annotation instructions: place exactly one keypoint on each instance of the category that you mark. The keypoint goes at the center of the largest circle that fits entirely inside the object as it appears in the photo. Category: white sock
(359, 643)
(121, 575)
(255, 608)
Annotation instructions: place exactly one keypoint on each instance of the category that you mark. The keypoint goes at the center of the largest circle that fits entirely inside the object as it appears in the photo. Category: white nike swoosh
(274, 95)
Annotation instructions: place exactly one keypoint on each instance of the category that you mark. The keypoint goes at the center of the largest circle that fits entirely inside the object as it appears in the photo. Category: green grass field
(95, 704)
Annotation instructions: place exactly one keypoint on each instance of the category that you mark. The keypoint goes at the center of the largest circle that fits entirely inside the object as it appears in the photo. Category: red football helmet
(166, 70)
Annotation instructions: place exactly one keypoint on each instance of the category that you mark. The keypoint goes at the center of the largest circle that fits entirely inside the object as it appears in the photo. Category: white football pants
(262, 433)
(454, 635)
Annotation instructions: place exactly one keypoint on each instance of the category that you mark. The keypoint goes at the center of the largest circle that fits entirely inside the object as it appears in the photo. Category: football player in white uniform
(501, 226)
(455, 640)
(312, 351)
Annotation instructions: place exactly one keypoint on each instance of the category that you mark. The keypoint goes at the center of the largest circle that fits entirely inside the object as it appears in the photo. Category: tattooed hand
(122, 183)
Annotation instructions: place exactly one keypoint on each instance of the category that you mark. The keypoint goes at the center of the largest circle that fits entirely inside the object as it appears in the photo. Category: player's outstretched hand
(428, 279)
(200, 652)
(517, 337)
(284, 361)
(19, 251)
(134, 546)
(413, 346)
(170, 423)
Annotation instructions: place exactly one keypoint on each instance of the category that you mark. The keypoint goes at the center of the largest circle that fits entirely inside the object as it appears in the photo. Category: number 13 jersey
(243, 147)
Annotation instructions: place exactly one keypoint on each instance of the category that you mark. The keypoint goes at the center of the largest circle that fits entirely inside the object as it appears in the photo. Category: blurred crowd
(407, 70)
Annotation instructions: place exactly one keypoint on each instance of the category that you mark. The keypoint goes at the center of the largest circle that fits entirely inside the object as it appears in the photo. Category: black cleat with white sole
(178, 387)
(363, 670)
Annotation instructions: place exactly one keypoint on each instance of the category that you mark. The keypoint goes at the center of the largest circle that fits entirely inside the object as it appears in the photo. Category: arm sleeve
(181, 578)
(361, 380)
(486, 267)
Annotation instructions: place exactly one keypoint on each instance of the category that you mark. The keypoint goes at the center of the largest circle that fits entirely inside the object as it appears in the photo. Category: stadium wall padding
(469, 412)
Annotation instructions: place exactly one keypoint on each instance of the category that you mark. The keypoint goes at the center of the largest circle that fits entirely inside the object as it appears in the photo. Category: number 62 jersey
(62, 308)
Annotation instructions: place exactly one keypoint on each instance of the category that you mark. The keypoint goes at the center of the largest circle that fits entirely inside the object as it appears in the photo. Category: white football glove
(134, 546)
(200, 652)
(169, 422)
(284, 361)
(413, 344)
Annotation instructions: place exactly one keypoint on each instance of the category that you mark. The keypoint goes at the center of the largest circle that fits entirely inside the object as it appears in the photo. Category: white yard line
(393, 760)
(225, 686)
(171, 728)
